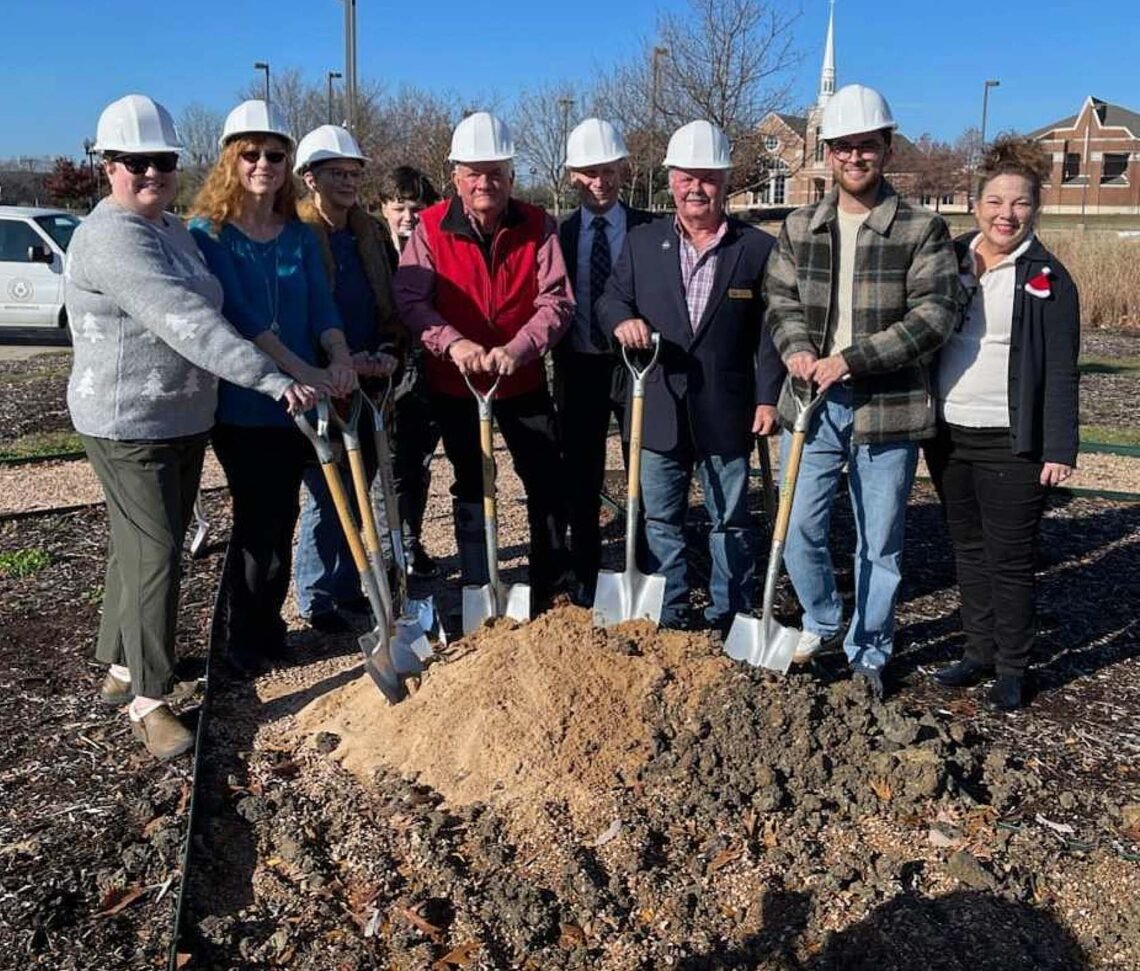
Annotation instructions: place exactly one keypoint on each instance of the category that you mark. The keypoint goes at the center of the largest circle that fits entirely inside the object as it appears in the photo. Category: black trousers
(416, 434)
(264, 467)
(527, 424)
(993, 502)
(588, 390)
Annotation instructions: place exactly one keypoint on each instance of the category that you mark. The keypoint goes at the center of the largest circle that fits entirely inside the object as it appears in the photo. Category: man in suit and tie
(695, 280)
(589, 379)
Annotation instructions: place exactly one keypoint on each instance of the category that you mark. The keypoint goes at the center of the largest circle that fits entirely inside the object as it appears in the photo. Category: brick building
(1096, 160)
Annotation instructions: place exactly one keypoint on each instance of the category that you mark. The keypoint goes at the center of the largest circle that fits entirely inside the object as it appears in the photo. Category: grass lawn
(1110, 435)
(41, 444)
(1096, 364)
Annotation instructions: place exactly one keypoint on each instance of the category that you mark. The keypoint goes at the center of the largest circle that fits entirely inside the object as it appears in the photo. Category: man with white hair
(695, 280)
(483, 284)
(589, 379)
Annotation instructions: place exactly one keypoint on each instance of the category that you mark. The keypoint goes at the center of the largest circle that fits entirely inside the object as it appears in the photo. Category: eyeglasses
(139, 164)
(342, 175)
(843, 150)
(272, 156)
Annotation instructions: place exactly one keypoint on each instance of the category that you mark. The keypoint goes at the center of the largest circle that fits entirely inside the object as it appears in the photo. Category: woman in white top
(1007, 385)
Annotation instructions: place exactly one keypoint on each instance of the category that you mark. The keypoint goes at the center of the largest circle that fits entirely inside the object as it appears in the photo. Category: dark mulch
(33, 395)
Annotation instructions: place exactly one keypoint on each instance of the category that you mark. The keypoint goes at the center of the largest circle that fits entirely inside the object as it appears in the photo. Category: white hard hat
(594, 142)
(853, 109)
(325, 143)
(254, 117)
(698, 145)
(136, 123)
(481, 137)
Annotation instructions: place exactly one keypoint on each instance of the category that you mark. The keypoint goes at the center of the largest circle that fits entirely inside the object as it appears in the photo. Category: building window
(778, 190)
(1072, 169)
(1115, 168)
(771, 143)
(948, 199)
(818, 147)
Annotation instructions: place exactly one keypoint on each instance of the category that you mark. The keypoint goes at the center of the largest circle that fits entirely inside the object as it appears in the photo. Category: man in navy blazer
(695, 280)
(589, 379)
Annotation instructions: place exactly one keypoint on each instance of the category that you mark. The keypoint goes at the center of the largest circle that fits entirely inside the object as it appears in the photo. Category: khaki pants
(150, 489)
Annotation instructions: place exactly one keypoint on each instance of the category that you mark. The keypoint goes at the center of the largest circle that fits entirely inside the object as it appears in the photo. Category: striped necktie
(599, 273)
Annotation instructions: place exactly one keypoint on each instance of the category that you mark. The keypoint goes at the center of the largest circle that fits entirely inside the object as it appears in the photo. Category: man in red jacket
(483, 284)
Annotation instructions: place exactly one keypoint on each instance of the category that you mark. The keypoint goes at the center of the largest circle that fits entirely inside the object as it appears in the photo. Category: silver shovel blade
(628, 596)
(761, 643)
(479, 605)
(378, 664)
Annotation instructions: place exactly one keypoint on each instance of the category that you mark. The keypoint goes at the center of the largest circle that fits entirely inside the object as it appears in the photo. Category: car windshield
(59, 227)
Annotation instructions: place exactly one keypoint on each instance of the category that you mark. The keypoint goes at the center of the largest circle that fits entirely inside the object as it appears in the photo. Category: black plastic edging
(46, 457)
(178, 924)
(1104, 448)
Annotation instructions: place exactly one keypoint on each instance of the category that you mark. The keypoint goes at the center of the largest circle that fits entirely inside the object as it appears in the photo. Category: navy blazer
(711, 380)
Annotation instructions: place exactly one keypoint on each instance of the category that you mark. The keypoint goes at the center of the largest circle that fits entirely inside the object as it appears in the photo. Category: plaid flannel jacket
(906, 299)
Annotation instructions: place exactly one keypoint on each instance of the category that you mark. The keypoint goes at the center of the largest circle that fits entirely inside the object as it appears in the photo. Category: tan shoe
(164, 736)
(116, 692)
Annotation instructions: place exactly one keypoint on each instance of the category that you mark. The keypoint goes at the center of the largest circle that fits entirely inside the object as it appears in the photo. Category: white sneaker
(807, 647)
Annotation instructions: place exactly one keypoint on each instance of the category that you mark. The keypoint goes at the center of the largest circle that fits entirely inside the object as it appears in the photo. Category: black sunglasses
(138, 164)
(272, 156)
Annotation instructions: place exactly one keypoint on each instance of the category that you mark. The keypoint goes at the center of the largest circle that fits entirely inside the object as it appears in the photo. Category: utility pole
(331, 76)
(654, 87)
(350, 65)
(264, 66)
(566, 104)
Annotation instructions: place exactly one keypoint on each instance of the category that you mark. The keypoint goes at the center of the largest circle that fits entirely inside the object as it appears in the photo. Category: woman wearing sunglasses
(149, 338)
(276, 295)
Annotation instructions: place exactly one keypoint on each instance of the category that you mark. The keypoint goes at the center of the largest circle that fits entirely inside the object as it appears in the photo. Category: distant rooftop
(1109, 116)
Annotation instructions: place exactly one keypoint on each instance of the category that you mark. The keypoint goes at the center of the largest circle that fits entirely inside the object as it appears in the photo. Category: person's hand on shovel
(468, 356)
(801, 365)
(378, 365)
(634, 334)
(299, 398)
(498, 360)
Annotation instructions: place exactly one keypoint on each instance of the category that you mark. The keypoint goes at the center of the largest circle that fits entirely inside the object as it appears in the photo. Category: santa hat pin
(1039, 285)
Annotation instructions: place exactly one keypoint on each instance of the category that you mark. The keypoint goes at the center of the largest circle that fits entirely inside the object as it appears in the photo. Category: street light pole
(991, 83)
(350, 65)
(566, 104)
(654, 82)
(264, 66)
(332, 75)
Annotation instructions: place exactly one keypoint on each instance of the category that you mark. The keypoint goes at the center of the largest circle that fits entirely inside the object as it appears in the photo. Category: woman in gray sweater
(149, 342)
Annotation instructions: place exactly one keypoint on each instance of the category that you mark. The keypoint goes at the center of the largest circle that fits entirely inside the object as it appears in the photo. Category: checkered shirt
(698, 269)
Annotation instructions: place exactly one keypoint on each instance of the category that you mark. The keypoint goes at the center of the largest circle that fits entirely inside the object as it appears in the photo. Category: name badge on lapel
(739, 293)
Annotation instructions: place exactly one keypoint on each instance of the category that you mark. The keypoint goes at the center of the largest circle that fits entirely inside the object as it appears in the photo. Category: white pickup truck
(32, 244)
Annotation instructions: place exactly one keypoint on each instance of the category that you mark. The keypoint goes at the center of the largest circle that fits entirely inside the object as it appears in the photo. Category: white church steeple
(827, 72)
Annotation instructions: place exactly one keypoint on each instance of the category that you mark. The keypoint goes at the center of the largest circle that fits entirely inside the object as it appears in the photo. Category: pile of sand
(551, 711)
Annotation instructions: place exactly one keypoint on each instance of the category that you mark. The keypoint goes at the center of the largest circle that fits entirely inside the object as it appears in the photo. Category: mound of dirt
(554, 711)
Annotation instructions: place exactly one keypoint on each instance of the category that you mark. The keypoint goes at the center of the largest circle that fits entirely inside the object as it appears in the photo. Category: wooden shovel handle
(633, 483)
(344, 513)
(486, 446)
(367, 519)
(788, 486)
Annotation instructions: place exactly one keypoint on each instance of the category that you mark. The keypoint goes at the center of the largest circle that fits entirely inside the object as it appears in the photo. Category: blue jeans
(323, 570)
(665, 478)
(879, 482)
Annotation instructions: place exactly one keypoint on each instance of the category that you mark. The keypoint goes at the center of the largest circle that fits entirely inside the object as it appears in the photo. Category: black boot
(420, 565)
(964, 674)
(471, 542)
(1006, 694)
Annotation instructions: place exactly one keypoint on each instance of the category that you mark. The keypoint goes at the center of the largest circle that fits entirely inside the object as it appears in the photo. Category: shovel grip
(486, 447)
(788, 487)
(344, 514)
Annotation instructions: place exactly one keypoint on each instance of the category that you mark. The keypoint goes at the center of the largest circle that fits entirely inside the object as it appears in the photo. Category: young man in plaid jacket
(861, 290)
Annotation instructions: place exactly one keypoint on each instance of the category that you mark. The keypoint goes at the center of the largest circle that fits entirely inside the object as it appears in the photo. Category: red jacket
(513, 292)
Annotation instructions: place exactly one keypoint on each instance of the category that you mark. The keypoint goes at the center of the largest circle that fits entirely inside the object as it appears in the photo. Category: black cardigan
(1043, 349)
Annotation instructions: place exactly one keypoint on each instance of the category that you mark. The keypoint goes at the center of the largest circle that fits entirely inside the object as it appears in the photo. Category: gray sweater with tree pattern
(149, 338)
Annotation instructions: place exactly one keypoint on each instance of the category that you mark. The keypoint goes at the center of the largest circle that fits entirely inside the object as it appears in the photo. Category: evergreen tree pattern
(153, 386)
(86, 386)
(184, 328)
(90, 329)
(192, 386)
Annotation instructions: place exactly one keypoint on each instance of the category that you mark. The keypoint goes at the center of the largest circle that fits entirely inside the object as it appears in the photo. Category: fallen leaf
(725, 857)
(182, 959)
(571, 936)
(420, 922)
(1063, 828)
(882, 789)
(183, 799)
(153, 826)
(770, 839)
(611, 833)
(119, 899)
(458, 957)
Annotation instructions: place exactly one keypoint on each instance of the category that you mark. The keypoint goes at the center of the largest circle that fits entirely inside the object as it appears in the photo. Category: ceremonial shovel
(631, 595)
(491, 599)
(376, 644)
(762, 642)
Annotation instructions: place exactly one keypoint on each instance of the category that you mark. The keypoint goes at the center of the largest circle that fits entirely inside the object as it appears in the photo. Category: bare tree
(543, 118)
(729, 61)
(413, 127)
(200, 128)
(302, 104)
(931, 169)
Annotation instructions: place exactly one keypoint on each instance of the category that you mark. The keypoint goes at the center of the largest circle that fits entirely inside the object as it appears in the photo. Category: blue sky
(64, 59)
